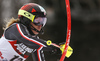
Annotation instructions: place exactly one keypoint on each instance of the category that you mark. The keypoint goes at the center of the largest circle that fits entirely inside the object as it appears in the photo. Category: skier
(20, 38)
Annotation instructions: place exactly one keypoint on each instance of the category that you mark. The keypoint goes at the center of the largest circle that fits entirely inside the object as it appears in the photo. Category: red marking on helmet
(33, 10)
(26, 7)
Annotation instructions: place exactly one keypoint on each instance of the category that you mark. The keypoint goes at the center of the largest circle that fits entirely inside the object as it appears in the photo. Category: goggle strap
(26, 14)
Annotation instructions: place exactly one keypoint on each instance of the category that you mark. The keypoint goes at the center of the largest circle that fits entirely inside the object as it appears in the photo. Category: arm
(20, 33)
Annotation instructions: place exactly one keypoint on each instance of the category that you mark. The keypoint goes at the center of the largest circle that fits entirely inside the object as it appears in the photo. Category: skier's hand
(56, 50)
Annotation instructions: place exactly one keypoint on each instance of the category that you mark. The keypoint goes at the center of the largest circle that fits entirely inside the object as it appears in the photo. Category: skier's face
(38, 27)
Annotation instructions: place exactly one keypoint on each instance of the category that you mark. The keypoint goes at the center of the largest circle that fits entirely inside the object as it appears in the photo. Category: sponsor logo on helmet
(33, 10)
(27, 14)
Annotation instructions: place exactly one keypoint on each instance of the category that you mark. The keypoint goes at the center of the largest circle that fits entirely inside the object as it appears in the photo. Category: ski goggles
(40, 21)
(37, 21)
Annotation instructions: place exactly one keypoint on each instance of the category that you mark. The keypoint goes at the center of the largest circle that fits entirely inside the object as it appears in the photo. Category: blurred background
(85, 34)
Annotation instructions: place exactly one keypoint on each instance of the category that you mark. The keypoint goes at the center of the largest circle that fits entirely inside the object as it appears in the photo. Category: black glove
(55, 50)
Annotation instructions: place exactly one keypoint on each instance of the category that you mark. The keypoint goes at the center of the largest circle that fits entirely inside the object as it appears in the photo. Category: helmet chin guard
(33, 28)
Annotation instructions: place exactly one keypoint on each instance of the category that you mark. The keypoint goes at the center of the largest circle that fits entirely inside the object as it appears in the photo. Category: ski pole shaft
(50, 43)
(55, 45)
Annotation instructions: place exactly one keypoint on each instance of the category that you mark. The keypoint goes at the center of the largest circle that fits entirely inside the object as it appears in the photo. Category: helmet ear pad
(25, 21)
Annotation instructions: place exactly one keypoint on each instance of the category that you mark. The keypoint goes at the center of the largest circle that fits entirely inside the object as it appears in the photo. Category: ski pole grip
(49, 42)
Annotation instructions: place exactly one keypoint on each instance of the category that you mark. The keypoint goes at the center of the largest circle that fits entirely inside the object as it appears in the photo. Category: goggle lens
(40, 21)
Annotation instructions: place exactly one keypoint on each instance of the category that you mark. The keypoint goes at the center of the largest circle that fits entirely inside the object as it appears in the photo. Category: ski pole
(50, 43)
(61, 47)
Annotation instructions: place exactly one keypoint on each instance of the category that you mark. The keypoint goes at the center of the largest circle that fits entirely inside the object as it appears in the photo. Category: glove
(56, 50)
(69, 50)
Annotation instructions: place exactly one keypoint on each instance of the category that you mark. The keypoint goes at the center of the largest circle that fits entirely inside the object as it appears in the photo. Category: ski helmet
(32, 12)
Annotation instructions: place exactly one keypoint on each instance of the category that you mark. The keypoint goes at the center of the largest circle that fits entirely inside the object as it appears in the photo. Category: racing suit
(17, 44)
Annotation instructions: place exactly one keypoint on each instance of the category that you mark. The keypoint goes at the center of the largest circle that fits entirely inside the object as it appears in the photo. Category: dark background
(85, 34)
